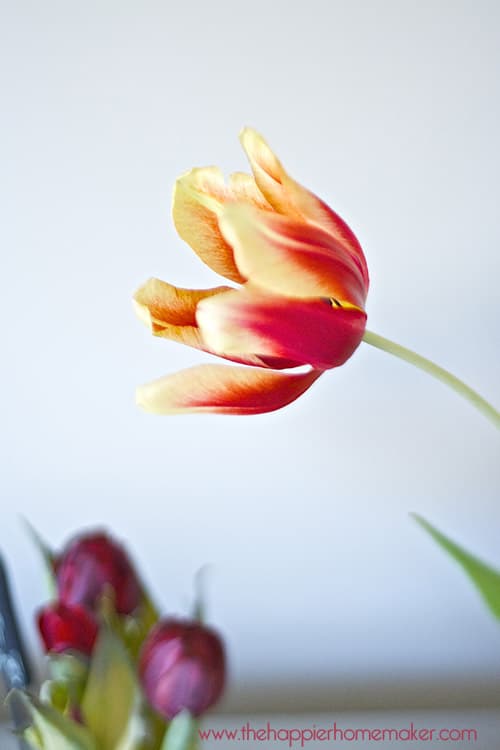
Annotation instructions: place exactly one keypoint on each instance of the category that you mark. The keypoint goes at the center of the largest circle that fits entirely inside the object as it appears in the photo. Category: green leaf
(485, 578)
(147, 613)
(70, 670)
(182, 733)
(33, 738)
(111, 703)
(199, 606)
(51, 730)
(144, 732)
(131, 629)
(64, 689)
(46, 554)
(135, 627)
(55, 694)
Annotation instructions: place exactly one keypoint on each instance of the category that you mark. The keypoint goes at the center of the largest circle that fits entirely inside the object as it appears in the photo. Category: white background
(390, 111)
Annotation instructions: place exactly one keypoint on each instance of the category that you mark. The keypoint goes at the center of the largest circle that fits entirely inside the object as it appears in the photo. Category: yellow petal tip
(196, 185)
(142, 400)
(249, 136)
(143, 314)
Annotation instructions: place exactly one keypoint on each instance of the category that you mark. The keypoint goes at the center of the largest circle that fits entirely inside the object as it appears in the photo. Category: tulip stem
(437, 372)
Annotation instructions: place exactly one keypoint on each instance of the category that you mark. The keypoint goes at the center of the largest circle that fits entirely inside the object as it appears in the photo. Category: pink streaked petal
(315, 210)
(223, 390)
(289, 197)
(313, 332)
(290, 257)
(170, 313)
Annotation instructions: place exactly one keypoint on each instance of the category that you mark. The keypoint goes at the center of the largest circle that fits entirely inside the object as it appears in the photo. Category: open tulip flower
(300, 301)
(303, 283)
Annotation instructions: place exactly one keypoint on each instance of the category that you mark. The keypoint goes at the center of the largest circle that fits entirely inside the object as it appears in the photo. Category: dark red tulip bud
(92, 563)
(182, 666)
(67, 628)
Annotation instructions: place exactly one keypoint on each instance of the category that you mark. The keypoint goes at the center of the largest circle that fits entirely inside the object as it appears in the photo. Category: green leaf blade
(111, 693)
(485, 578)
(48, 557)
(50, 729)
(182, 733)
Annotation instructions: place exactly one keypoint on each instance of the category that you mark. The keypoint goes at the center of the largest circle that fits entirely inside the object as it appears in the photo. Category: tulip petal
(224, 390)
(170, 313)
(289, 197)
(290, 257)
(242, 188)
(313, 332)
(268, 171)
(199, 197)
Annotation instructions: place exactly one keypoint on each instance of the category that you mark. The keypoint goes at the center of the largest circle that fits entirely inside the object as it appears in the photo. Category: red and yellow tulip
(302, 279)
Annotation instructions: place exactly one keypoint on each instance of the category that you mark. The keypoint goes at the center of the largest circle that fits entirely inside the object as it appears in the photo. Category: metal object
(14, 667)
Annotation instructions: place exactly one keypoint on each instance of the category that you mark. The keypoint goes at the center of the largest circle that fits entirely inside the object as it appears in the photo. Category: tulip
(303, 284)
(91, 565)
(67, 628)
(182, 667)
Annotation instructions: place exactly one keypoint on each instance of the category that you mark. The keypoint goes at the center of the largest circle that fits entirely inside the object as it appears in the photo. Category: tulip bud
(92, 563)
(182, 667)
(67, 628)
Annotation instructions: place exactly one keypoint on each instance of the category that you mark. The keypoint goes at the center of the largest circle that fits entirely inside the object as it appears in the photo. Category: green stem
(437, 372)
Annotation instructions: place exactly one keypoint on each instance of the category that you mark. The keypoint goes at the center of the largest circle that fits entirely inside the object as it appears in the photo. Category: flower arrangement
(120, 677)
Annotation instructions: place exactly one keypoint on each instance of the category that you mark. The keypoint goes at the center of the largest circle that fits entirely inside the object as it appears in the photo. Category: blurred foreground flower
(67, 628)
(182, 666)
(118, 679)
(93, 564)
(303, 284)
